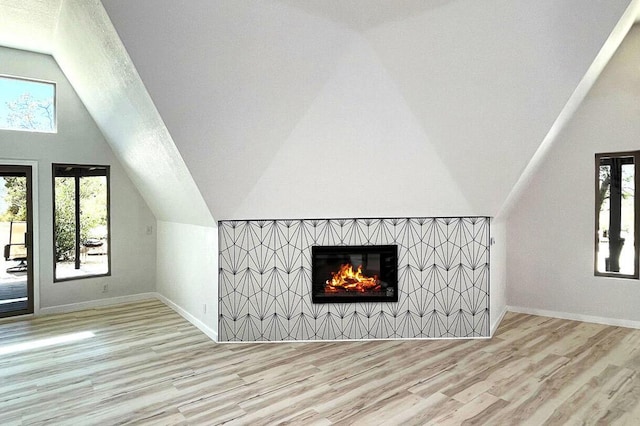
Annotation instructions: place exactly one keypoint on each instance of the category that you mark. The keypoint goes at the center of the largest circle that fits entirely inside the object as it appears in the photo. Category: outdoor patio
(13, 288)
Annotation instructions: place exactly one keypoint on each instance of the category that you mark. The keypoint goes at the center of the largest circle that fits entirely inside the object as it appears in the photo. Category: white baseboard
(497, 322)
(576, 317)
(72, 307)
(212, 334)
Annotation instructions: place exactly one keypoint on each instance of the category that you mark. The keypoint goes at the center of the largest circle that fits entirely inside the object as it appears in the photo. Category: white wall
(79, 141)
(358, 151)
(551, 228)
(498, 279)
(187, 271)
(294, 110)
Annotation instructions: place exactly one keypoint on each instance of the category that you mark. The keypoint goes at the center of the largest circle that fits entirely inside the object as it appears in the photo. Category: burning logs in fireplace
(375, 279)
(346, 279)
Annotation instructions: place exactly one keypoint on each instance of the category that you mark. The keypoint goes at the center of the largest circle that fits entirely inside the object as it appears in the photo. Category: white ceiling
(29, 25)
(242, 89)
(362, 15)
(81, 38)
(250, 90)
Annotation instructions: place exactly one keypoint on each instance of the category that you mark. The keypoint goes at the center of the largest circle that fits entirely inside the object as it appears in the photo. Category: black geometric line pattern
(265, 279)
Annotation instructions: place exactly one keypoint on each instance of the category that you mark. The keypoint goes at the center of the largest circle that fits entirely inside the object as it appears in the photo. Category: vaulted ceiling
(269, 108)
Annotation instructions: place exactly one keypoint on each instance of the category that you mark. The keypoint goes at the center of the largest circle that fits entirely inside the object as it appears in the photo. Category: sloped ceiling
(404, 107)
(79, 35)
(325, 108)
(29, 25)
(361, 16)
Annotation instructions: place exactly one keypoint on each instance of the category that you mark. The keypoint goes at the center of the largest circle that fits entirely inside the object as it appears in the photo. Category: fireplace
(346, 274)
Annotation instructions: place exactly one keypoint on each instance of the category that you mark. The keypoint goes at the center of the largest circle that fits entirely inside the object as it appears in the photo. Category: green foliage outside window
(93, 196)
(15, 198)
(93, 212)
(27, 105)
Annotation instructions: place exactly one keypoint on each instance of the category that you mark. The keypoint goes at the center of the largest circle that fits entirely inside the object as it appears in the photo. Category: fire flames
(346, 279)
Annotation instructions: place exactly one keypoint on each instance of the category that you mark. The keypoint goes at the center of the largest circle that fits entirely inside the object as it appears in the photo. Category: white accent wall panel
(265, 280)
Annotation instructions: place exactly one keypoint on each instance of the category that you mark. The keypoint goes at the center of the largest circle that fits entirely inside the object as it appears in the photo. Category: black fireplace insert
(346, 274)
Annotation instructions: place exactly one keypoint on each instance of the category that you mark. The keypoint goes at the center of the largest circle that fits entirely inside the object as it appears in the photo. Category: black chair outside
(16, 250)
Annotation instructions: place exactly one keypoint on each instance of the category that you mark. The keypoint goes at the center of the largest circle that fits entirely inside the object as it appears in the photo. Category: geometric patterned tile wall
(265, 280)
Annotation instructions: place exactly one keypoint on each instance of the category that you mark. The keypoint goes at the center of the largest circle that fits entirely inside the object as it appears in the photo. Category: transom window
(27, 105)
(81, 225)
(616, 236)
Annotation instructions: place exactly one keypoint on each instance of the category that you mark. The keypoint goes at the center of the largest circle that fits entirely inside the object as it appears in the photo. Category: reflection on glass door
(16, 277)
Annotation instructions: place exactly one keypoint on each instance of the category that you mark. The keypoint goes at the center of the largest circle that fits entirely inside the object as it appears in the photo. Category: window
(27, 105)
(616, 213)
(81, 227)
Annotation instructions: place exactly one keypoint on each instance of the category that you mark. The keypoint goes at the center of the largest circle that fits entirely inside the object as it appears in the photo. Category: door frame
(34, 253)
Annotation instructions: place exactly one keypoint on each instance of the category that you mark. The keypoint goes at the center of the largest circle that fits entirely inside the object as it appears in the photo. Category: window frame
(107, 174)
(54, 129)
(636, 213)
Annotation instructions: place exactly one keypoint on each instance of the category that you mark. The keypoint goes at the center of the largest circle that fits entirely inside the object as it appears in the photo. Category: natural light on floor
(42, 343)
(5, 301)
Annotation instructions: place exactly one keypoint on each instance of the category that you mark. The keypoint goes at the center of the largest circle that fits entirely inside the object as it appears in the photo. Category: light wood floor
(146, 365)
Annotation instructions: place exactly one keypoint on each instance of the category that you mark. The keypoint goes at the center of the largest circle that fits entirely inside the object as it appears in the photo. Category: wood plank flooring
(144, 364)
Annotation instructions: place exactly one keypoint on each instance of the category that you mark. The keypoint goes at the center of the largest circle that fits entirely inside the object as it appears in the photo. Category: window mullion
(77, 213)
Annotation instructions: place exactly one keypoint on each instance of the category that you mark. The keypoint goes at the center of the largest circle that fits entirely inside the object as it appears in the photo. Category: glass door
(16, 241)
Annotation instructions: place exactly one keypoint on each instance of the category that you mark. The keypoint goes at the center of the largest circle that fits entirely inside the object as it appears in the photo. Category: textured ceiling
(81, 38)
(251, 90)
(28, 24)
(255, 92)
